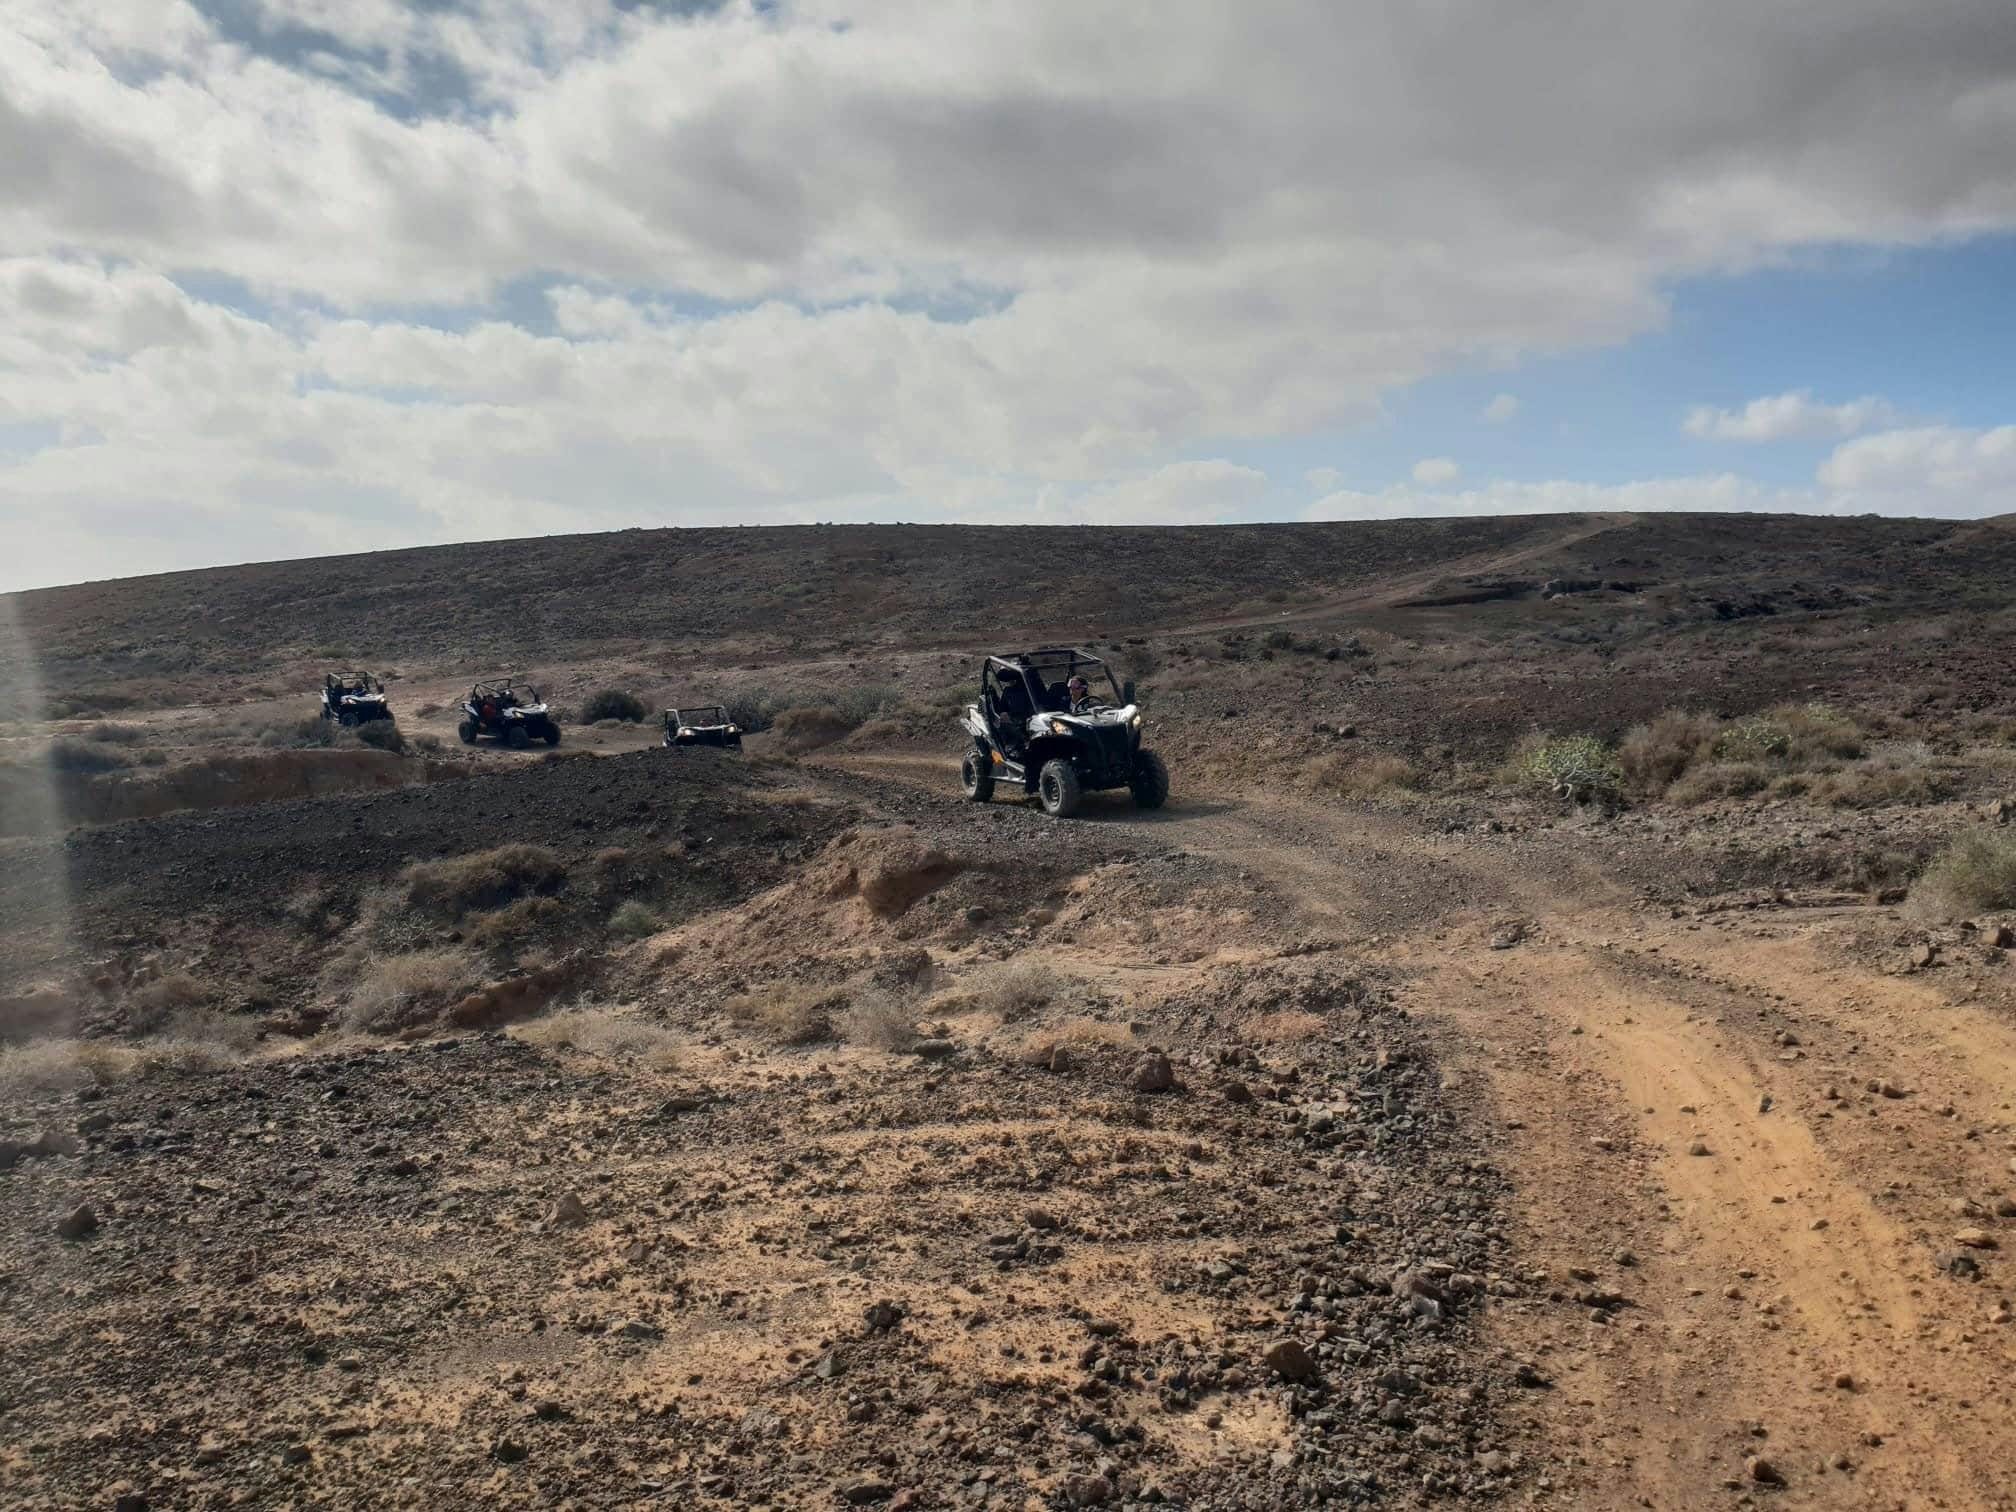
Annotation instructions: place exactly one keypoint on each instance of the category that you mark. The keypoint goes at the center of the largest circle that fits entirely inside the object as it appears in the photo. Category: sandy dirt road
(1794, 1166)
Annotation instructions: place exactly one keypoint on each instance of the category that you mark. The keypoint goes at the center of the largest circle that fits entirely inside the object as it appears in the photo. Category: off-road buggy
(1028, 730)
(702, 725)
(354, 698)
(498, 710)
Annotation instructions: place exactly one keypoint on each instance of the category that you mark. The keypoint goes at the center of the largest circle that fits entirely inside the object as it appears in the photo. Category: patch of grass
(613, 703)
(1973, 874)
(1880, 783)
(790, 1013)
(153, 1004)
(482, 879)
(1020, 988)
(1365, 776)
(604, 1032)
(398, 991)
(1721, 779)
(633, 920)
(63, 1065)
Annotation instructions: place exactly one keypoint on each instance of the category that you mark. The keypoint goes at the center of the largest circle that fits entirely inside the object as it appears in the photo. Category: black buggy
(498, 710)
(354, 698)
(1028, 730)
(702, 725)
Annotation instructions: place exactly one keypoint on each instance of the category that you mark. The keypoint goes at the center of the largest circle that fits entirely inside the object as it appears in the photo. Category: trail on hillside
(1764, 1147)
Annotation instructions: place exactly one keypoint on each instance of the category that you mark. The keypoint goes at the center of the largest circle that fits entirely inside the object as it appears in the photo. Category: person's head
(1077, 687)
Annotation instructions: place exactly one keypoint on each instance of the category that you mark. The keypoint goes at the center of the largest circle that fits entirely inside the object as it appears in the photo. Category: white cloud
(919, 256)
(1435, 471)
(1502, 408)
(1787, 417)
(1933, 470)
(1323, 479)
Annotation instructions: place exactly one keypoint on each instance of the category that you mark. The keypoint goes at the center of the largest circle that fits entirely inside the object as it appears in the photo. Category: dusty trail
(1690, 1116)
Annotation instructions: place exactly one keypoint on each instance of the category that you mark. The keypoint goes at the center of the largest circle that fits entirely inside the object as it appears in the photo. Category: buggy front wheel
(516, 738)
(976, 776)
(467, 730)
(1058, 790)
(1150, 782)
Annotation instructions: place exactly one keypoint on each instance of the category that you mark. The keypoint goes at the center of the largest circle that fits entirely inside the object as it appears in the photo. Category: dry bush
(634, 920)
(381, 735)
(86, 756)
(1721, 779)
(1284, 1028)
(752, 708)
(514, 922)
(1973, 874)
(790, 1013)
(603, 1032)
(395, 992)
(154, 1003)
(305, 733)
(118, 734)
(1019, 988)
(878, 1019)
(1073, 1034)
(1368, 776)
(63, 1065)
(1879, 783)
(482, 879)
(808, 729)
(1654, 755)
(613, 703)
(1819, 732)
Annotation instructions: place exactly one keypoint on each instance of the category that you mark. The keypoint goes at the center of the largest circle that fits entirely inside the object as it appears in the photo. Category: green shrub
(1576, 767)
(1975, 873)
(633, 920)
(613, 703)
(1753, 739)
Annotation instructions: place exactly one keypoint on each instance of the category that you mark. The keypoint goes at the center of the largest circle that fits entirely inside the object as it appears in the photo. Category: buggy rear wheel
(1150, 782)
(347, 719)
(976, 776)
(552, 735)
(1058, 790)
(467, 730)
(516, 738)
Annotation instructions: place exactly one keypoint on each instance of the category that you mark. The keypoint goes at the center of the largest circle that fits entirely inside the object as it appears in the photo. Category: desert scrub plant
(1654, 755)
(381, 735)
(752, 708)
(790, 1013)
(1974, 873)
(482, 879)
(1017, 989)
(152, 1004)
(396, 992)
(86, 756)
(613, 703)
(1367, 776)
(633, 920)
(603, 1032)
(1576, 767)
(1721, 779)
(1755, 739)
(879, 1019)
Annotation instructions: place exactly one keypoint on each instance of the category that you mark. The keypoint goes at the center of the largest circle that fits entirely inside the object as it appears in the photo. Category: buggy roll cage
(1044, 673)
(355, 682)
(499, 686)
(682, 716)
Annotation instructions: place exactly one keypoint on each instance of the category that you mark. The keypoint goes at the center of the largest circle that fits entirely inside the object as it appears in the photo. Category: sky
(281, 278)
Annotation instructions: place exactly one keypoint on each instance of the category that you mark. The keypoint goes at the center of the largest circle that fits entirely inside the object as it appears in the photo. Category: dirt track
(1791, 1290)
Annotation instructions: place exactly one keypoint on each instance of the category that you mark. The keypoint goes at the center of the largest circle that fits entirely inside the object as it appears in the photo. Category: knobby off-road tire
(516, 738)
(1150, 782)
(467, 730)
(977, 777)
(347, 719)
(1057, 789)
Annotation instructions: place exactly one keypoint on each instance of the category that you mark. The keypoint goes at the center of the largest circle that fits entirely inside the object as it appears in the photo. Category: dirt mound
(887, 869)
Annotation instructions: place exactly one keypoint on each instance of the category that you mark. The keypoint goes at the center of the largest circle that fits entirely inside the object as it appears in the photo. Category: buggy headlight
(1058, 727)
(1135, 721)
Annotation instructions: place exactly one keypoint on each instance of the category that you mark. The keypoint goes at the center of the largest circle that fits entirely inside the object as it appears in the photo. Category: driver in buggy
(1080, 694)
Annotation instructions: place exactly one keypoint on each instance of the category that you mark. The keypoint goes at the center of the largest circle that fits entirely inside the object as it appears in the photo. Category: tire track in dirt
(1801, 1247)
